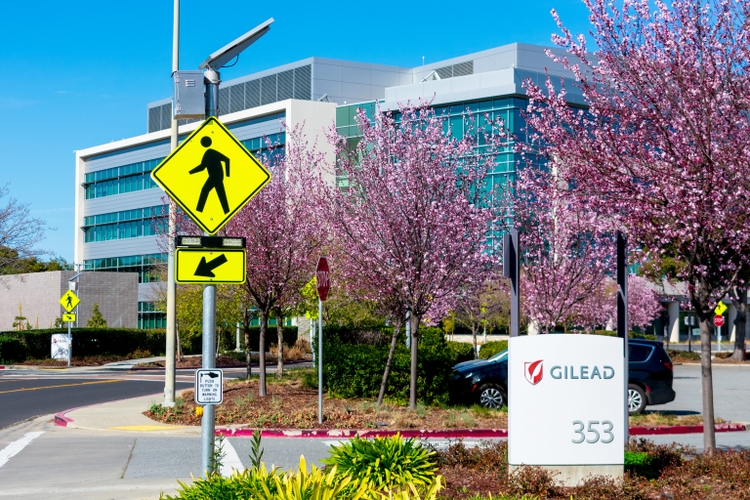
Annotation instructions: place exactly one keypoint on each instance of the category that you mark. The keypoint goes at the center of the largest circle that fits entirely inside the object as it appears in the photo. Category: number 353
(598, 432)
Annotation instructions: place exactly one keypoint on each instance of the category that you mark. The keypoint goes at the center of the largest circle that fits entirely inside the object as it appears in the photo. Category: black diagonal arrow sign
(210, 265)
(207, 268)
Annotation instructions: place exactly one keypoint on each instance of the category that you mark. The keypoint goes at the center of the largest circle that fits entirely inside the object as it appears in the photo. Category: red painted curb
(2, 368)
(365, 433)
(448, 433)
(684, 429)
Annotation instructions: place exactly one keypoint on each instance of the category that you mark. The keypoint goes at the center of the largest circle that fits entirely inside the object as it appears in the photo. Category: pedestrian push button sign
(211, 175)
(209, 387)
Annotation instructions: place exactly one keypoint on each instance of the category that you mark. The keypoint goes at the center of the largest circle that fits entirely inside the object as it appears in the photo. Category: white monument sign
(566, 408)
(209, 386)
(60, 346)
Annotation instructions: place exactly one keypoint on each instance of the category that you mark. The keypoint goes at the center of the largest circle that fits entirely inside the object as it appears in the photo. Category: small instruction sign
(209, 387)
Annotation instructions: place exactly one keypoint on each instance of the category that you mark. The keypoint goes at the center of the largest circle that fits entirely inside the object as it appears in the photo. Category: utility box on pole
(188, 100)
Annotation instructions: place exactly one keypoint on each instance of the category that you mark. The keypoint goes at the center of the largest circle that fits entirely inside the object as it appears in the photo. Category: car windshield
(499, 356)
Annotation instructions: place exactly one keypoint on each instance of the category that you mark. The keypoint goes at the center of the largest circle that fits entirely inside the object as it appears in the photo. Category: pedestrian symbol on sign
(212, 162)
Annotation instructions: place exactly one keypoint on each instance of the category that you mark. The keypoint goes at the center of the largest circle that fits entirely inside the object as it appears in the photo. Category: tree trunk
(280, 350)
(387, 371)
(699, 298)
(414, 320)
(179, 344)
(262, 352)
(248, 354)
(740, 323)
(474, 337)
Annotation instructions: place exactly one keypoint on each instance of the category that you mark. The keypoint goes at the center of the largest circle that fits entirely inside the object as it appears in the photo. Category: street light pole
(169, 369)
(212, 79)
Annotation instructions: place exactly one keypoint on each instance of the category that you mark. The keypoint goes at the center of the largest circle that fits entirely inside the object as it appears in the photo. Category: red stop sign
(323, 278)
(718, 320)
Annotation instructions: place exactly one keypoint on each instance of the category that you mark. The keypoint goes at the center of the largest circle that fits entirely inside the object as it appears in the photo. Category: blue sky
(80, 73)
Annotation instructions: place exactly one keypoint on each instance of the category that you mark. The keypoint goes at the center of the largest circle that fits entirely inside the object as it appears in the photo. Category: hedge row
(18, 346)
(354, 371)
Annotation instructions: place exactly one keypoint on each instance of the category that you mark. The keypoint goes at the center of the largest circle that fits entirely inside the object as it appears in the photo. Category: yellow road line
(17, 379)
(61, 385)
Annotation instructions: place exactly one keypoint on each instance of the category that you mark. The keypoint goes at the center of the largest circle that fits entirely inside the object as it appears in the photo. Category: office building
(117, 203)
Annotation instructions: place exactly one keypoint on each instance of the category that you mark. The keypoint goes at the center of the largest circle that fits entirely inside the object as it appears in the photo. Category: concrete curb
(62, 420)
(365, 433)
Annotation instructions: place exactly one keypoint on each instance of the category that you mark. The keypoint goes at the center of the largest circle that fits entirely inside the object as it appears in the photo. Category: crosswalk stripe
(230, 460)
(16, 446)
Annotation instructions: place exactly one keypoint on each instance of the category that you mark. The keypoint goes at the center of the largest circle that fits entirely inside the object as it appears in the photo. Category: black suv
(485, 381)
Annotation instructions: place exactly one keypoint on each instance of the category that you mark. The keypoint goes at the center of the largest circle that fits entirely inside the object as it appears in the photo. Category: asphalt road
(28, 395)
(40, 460)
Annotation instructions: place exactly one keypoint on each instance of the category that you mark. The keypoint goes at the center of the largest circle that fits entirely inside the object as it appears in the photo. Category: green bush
(491, 348)
(91, 341)
(11, 349)
(260, 484)
(356, 371)
(384, 463)
(228, 339)
(460, 351)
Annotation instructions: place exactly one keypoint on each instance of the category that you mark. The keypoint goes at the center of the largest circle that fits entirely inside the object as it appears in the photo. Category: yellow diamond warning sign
(69, 301)
(211, 175)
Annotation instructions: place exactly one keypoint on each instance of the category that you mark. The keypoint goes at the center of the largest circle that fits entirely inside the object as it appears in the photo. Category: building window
(126, 224)
(118, 180)
(149, 317)
(147, 266)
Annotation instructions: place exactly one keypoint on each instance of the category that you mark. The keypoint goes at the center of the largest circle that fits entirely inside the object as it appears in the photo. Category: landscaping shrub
(356, 371)
(258, 483)
(11, 349)
(491, 348)
(384, 463)
(460, 351)
(90, 341)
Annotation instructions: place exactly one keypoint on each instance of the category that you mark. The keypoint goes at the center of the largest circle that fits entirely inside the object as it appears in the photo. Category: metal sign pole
(208, 357)
(70, 342)
(511, 269)
(320, 361)
(622, 315)
(169, 368)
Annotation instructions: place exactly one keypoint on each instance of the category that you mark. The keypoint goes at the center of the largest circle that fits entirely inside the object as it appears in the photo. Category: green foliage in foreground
(261, 484)
(385, 468)
(384, 463)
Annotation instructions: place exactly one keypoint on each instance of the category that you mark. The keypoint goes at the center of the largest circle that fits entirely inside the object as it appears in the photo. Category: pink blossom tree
(664, 144)
(601, 308)
(411, 223)
(566, 249)
(284, 237)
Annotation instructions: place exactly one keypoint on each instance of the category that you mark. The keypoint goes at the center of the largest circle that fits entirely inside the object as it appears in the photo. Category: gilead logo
(582, 372)
(533, 371)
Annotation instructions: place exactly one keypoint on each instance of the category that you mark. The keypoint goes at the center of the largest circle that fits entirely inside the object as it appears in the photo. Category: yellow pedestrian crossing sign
(720, 308)
(68, 318)
(69, 301)
(210, 265)
(211, 175)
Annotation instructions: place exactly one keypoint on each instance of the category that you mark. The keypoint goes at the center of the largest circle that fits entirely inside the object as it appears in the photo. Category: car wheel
(636, 399)
(492, 396)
